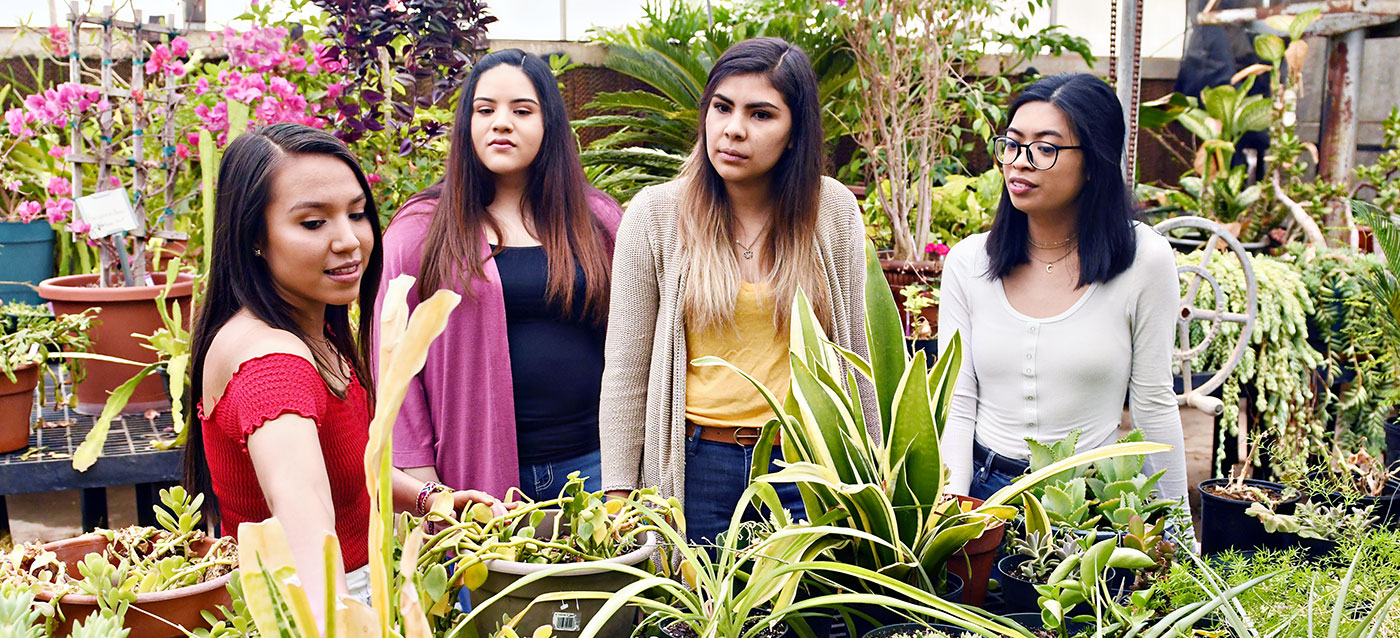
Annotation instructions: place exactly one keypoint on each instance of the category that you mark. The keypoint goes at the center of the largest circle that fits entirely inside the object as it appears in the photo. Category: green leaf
(884, 336)
(91, 447)
(1269, 47)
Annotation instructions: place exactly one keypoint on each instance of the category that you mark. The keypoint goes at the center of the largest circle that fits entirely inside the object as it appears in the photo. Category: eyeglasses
(1041, 155)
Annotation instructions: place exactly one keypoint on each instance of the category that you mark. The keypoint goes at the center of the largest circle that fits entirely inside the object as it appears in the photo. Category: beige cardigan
(642, 409)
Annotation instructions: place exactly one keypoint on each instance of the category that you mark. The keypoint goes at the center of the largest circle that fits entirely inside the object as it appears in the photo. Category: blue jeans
(542, 481)
(716, 475)
(986, 480)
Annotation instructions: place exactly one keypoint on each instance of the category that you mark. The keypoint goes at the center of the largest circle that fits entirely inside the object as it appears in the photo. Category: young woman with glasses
(1067, 305)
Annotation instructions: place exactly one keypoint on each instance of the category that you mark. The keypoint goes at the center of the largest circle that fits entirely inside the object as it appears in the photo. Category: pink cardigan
(459, 415)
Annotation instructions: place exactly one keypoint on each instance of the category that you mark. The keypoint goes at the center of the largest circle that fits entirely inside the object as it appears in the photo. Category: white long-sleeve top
(1041, 378)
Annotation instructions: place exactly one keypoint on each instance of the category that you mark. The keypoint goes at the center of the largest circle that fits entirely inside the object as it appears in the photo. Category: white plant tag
(108, 212)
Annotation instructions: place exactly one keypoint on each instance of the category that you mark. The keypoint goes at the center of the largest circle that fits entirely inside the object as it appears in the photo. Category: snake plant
(888, 478)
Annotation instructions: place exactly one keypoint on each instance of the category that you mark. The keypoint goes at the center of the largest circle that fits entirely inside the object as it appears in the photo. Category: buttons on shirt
(1029, 356)
(1030, 397)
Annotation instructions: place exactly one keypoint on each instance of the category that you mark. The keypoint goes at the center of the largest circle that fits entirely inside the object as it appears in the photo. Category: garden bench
(130, 457)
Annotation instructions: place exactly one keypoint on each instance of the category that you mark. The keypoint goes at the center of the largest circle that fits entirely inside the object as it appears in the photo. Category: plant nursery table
(131, 456)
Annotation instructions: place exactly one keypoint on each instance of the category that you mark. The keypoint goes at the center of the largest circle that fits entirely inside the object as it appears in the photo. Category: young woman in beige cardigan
(708, 264)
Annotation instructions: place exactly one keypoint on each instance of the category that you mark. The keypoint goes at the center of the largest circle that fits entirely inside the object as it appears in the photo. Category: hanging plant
(1279, 363)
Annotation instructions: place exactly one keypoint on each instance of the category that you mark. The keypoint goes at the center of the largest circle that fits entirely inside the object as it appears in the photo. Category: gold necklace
(1050, 265)
(748, 250)
(1052, 245)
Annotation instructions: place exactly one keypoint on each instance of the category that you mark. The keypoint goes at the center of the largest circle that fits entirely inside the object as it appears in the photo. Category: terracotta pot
(973, 563)
(152, 613)
(156, 260)
(124, 310)
(17, 408)
(899, 273)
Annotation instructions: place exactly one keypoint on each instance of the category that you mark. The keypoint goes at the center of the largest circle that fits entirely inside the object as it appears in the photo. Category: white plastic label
(108, 212)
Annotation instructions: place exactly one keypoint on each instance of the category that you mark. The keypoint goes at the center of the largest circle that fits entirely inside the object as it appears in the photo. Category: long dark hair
(1105, 220)
(707, 217)
(238, 279)
(556, 193)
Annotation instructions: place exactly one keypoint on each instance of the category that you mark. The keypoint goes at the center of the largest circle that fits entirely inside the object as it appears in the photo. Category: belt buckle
(747, 433)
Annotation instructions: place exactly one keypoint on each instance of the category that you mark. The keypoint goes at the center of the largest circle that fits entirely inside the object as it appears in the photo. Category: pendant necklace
(1050, 265)
(748, 250)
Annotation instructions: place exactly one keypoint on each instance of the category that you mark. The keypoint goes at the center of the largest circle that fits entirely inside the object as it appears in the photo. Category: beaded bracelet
(428, 490)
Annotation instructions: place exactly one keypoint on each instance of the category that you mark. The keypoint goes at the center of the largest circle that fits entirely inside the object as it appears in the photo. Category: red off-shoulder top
(263, 389)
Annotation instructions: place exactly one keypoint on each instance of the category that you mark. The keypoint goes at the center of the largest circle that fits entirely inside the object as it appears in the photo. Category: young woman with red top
(282, 386)
(509, 395)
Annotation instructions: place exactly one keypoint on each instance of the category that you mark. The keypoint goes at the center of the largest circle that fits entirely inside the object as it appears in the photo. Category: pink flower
(395, 5)
(57, 40)
(939, 249)
(58, 209)
(60, 151)
(28, 211)
(182, 151)
(202, 86)
(193, 138)
(179, 47)
(374, 179)
(13, 185)
(79, 227)
(114, 181)
(60, 187)
(159, 58)
(19, 120)
(334, 90)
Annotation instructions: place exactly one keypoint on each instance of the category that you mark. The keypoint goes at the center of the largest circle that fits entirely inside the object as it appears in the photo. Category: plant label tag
(566, 621)
(108, 212)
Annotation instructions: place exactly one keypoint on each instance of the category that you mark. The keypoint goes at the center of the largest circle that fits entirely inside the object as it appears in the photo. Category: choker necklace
(1054, 244)
(1050, 265)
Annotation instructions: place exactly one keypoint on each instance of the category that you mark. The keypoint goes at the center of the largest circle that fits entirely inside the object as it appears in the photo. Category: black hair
(238, 279)
(1107, 243)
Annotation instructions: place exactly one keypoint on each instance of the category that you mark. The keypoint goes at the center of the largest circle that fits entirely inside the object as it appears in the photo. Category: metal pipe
(1337, 145)
(1128, 75)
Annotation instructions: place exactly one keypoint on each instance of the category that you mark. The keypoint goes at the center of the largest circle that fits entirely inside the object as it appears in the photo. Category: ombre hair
(707, 216)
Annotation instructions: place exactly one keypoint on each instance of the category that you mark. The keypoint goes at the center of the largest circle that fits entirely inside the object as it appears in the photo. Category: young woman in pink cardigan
(509, 395)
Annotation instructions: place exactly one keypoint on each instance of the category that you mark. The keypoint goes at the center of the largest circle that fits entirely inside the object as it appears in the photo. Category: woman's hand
(463, 499)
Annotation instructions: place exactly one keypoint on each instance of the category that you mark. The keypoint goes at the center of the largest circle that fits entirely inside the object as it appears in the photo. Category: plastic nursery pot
(17, 408)
(884, 617)
(28, 257)
(1019, 594)
(1387, 505)
(568, 621)
(124, 311)
(155, 611)
(1392, 442)
(973, 563)
(1225, 525)
(918, 630)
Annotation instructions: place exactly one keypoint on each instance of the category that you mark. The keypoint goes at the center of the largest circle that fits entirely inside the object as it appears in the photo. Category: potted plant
(1319, 528)
(169, 347)
(749, 586)
(487, 554)
(1225, 523)
(25, 231)
(1365, 479)
(1031, 558)
(888, 477)
(24, 349)
(169, 574)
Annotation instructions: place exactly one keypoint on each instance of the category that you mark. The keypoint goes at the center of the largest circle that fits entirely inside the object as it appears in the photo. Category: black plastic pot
(1019, 595)
(1316, 549)
(1225, 525)
(917, 629)
(1392, 442)
(1387, 505)
(885, 617)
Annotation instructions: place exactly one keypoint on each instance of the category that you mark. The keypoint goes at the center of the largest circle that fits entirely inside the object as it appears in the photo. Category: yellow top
(718, 396)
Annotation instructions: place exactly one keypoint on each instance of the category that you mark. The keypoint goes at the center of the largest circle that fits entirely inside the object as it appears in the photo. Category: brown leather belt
(747, 436)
